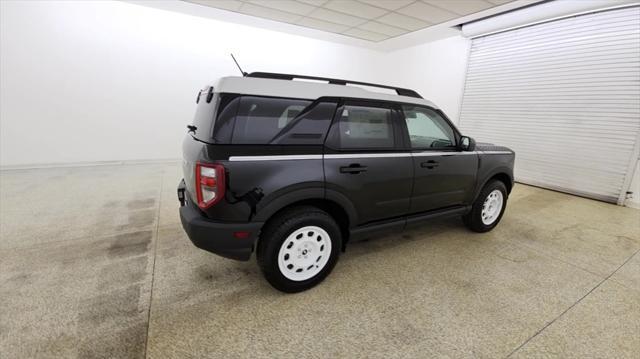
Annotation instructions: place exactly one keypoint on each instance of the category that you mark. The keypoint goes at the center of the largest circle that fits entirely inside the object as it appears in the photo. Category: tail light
(209, 184)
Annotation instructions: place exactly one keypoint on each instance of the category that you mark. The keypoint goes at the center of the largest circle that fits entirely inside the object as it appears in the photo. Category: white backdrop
(436, 70)
(87, 81)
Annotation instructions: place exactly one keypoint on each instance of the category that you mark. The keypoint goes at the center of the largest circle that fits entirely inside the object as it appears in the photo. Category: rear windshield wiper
(203, 141)
(192, 131)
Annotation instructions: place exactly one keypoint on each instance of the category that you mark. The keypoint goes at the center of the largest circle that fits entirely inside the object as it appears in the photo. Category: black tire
(473, 219)
(277, 230)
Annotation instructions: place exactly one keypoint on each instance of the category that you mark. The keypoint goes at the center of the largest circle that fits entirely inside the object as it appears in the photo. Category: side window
(227, 109)
(260, 119)
(363, 127)
(308, 128)
(427, 129)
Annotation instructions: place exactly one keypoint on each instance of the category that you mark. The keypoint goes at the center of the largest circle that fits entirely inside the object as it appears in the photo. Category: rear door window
(362, 127)
(260, 119)
(309, 127)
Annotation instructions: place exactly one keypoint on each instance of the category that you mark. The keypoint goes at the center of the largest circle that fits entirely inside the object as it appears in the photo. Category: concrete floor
(94, 263)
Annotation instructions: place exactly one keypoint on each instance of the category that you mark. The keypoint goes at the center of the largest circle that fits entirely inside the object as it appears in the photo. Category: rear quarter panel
(258, 184)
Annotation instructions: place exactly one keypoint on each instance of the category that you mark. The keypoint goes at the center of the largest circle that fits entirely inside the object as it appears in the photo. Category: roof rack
(277, 76)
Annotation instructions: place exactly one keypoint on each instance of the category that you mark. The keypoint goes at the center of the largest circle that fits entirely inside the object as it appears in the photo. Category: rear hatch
(198, 136)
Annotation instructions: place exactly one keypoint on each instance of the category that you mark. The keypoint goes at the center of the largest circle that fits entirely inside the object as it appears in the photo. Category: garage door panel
(566, 174)
(603, 20)
(575, 27)
(577, 31)
(577, 38)
(611, 49)
(563, 86)
(629, 68)
(559, 96)
(549, 148)
(548, 109)
(565, 95)
(580, 137)
(546, 151)
(589, 119)
(587, 105)
(590, 42)
(559, 135)
(570, 68)
(633, 103)
(584, 127)
(630, 77)
(585, 38)
(601, 54)
(557, 93)
(563, 177)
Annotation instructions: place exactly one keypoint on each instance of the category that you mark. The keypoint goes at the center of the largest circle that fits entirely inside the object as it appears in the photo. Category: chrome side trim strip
(442, 153)
(274, 158)
(367, 155)
(359, 155)
(495, 152)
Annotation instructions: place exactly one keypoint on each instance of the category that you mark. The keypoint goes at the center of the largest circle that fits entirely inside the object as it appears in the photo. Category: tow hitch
(181, 188)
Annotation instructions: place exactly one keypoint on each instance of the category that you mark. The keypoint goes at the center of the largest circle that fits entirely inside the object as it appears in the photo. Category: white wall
(436, 70)
(87, 81)
(98, 81)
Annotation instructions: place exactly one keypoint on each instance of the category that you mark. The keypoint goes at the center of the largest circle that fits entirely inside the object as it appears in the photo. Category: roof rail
(278, 76)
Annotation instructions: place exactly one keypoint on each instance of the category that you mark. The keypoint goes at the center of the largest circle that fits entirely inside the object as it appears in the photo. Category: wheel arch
(503, 175)
(504, 178)
(343, 214)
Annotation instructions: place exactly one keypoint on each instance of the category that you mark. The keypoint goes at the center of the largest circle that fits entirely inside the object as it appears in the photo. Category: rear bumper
(217, 237)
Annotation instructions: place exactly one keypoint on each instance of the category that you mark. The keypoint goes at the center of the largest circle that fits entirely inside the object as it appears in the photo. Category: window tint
(227, 110)
(363, 127)
(204, 116)
(260, 119)
(427, 129)
(308, 128)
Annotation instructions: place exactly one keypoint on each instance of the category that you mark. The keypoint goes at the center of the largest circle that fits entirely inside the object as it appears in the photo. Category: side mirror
(467, 143)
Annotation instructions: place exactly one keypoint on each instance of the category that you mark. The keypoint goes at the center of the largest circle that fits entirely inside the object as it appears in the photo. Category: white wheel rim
(304, 253)
(492, 207)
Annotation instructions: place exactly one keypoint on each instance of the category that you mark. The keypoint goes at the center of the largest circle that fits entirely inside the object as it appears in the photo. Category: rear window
(262, 120)
(205, 112)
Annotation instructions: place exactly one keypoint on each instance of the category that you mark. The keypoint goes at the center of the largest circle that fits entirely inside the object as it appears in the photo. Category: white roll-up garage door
(565, 95)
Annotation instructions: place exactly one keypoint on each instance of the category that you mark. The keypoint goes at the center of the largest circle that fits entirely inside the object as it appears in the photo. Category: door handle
(353, 168)
(431, 164)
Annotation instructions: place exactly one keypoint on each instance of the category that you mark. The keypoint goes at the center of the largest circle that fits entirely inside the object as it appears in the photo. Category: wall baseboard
(87, 164)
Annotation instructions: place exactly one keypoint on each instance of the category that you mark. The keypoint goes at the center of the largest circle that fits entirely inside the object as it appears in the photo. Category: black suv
(296, 169)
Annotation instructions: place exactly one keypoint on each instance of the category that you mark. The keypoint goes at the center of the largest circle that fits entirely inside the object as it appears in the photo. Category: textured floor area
(94, 263)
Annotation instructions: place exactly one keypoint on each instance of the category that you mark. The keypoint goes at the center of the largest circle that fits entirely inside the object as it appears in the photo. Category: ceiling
(370, 20)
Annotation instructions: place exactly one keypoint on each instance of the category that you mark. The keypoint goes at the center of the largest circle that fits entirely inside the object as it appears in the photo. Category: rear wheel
(488, 208)
(299, 248)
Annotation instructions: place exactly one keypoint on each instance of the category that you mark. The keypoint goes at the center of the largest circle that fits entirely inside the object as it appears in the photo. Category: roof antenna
(244, 74)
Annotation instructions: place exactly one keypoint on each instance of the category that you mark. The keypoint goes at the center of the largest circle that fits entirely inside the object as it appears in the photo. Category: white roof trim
(304, 90)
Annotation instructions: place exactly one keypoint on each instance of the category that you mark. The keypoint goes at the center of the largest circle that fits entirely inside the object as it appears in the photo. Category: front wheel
(488, 208)
(299, 248)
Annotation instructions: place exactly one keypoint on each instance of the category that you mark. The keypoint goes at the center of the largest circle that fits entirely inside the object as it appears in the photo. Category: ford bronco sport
(295, 170)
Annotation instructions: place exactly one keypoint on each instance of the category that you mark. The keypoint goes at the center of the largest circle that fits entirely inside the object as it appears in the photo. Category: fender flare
(346, 204)
(306, 194)
(286, 199)
(496, 171)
